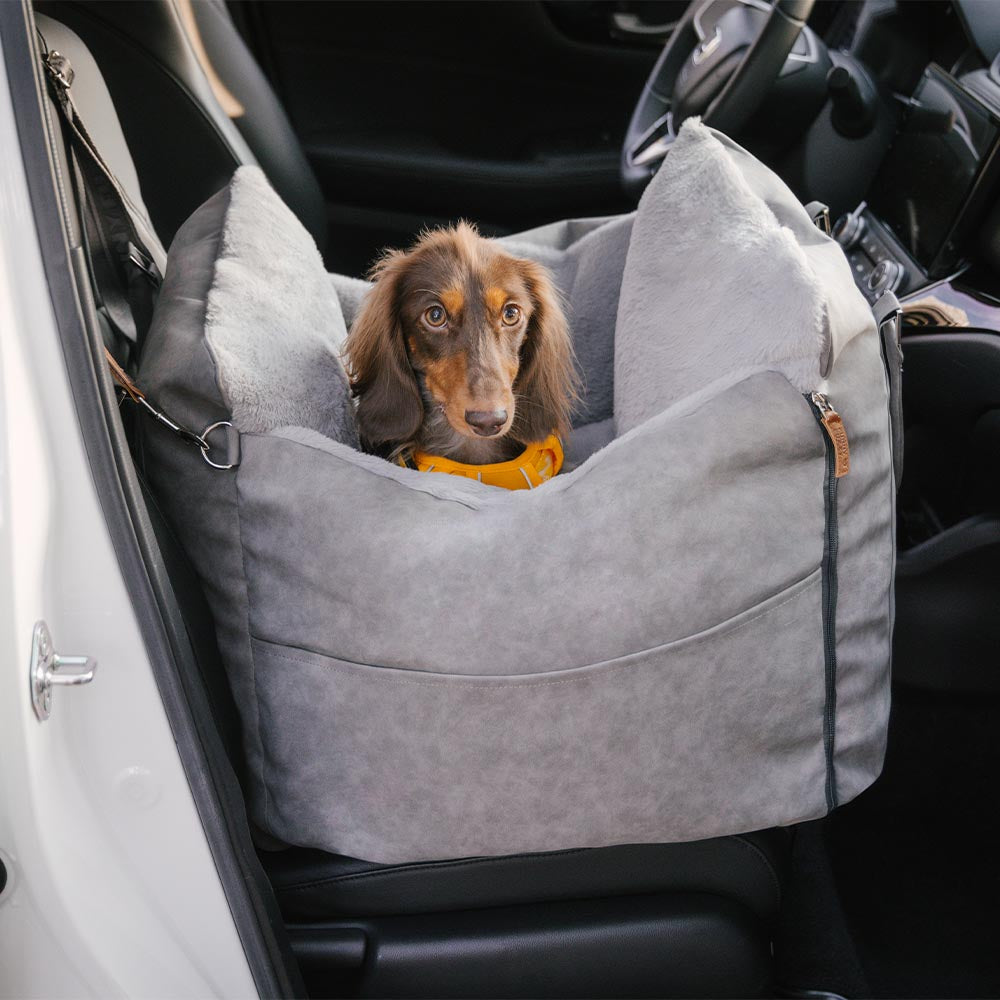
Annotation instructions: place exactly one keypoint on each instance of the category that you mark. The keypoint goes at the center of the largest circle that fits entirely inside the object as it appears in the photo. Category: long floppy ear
(547, 384)
(390, 410)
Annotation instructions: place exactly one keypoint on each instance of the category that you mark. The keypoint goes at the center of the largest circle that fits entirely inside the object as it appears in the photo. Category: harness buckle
(145, 263)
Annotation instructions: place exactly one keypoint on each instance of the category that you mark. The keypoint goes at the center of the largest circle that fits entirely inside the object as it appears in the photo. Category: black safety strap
(125, 275)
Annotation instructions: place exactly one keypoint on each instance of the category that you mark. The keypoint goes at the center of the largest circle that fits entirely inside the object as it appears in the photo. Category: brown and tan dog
(460, 350)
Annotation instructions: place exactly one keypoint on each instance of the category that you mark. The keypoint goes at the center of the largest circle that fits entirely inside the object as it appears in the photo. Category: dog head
(458, 330)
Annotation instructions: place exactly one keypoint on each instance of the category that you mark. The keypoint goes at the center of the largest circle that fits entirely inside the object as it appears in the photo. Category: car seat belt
(124, 273)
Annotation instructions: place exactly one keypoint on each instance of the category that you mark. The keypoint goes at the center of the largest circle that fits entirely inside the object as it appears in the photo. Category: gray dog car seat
(687, 635)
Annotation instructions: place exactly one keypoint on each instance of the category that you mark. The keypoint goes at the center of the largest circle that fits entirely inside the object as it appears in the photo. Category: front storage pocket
(712, 734)
(632, 653)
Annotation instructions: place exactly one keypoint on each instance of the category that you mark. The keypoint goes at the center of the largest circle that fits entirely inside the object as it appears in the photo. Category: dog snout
(486, 423)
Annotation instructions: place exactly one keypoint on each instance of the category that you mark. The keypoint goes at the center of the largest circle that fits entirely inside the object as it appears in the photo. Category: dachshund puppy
(460, 350)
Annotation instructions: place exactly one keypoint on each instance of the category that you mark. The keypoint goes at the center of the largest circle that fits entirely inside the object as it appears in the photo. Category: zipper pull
(834, 426)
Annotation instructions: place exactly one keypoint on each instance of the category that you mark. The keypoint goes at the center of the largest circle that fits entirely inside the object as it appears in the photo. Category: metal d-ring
(206, 446)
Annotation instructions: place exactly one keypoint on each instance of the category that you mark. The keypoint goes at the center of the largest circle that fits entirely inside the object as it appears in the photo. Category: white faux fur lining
(713, 283)
(273, 321)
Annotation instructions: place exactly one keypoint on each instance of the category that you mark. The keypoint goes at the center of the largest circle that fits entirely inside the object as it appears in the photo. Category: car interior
(375, 120)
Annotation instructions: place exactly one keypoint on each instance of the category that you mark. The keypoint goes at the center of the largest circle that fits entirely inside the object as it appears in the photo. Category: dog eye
(435, 316)
(511, 314)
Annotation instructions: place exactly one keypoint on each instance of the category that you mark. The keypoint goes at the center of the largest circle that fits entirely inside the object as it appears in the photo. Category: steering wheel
(719, 63)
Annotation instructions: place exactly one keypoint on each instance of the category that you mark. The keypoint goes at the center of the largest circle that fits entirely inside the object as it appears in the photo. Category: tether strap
(136, 394)
(125, 273)
(230, 445)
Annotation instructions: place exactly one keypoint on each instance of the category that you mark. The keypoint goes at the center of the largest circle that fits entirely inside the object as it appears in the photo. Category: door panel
(416, 113)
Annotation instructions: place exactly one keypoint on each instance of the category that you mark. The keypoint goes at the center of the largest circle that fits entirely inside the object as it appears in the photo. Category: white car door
(111, 889)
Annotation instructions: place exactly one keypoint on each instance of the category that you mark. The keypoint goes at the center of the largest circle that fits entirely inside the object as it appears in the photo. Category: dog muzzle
(535, 465)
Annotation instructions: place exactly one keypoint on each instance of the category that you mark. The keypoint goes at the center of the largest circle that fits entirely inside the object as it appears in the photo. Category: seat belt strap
(110, 298)
(122, 267)
(124, 271)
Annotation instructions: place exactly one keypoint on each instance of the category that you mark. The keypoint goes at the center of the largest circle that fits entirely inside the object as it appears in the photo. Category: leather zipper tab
(834, 427)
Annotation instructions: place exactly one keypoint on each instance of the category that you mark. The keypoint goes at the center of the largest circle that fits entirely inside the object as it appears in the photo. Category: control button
(877, 275)
(848, 230)
(885, 277)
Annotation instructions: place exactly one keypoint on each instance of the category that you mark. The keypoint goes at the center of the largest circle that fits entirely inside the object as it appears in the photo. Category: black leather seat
(636, 920)
(154, 56)
(313, 885)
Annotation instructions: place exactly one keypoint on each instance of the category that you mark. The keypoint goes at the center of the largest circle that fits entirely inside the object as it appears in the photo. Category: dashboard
(920, 193)
(930, 196)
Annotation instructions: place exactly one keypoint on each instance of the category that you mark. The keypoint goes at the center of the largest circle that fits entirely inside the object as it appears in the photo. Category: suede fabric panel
(632, 652)
(866, 566)
(664, 533)
(199, 502)
(587, 440)
(682, 742)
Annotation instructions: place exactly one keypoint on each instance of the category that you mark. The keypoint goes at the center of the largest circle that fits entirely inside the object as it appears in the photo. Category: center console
(931, 192)
(925, 218)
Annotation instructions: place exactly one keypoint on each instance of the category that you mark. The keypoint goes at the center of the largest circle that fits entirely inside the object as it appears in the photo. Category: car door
(511, 114)
(107, 883)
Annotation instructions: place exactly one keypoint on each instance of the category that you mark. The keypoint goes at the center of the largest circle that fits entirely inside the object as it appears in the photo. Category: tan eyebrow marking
(453, 300)
(495, 298)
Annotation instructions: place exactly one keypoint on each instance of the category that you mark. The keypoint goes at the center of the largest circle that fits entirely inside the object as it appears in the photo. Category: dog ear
(390, 410)
(547, 383)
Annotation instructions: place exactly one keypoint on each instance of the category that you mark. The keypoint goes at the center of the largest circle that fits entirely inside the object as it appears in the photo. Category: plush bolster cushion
(639, 650)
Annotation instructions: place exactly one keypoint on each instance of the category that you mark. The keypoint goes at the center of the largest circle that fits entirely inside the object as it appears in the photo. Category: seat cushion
(313, 885)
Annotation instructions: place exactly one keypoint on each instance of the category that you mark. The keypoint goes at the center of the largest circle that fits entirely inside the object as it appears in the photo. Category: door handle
(49, 669)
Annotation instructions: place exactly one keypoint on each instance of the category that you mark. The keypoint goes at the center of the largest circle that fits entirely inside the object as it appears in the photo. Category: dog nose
(486, 423)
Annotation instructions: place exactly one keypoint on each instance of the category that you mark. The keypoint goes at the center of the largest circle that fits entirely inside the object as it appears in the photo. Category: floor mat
(916, 858)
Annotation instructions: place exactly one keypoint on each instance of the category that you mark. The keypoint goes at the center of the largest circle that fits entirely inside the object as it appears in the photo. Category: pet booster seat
(683, 635)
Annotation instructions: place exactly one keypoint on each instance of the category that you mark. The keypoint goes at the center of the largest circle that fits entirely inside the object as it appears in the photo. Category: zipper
(834, 427)
(838, 464)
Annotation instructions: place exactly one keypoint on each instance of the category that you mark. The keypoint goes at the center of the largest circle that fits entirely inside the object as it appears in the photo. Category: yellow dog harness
(534, 466)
